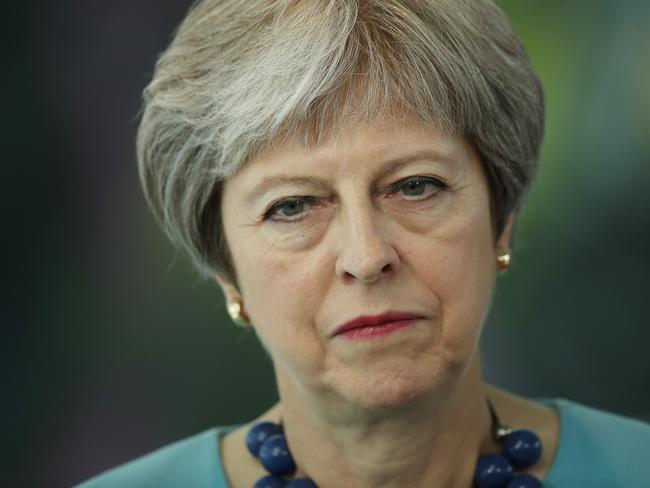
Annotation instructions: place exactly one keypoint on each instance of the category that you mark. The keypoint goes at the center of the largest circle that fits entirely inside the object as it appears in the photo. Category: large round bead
(258, 434)
(492, 471)
(302, 483)
(524, 481)
(276, 457)
(522, 447)
(270, 481)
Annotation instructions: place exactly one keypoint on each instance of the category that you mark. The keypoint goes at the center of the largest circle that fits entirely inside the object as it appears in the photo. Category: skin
(390, 218)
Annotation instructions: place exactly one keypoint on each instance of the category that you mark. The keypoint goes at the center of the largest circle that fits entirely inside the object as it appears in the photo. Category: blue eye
(289, 209)
(417, 187)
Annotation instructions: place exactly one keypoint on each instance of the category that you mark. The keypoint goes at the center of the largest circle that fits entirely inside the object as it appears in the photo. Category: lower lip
(372, 331)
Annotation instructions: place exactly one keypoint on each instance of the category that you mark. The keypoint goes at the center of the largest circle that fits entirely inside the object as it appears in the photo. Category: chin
(394, 384)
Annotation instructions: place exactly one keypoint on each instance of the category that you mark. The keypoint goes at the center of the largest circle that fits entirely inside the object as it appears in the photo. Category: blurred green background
(111, 345)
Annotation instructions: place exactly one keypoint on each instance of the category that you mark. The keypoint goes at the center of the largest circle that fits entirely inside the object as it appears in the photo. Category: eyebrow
(274, 181)
(399, 162)
(388, 167)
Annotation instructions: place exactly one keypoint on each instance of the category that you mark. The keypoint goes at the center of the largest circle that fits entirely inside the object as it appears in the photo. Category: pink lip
(368, 326)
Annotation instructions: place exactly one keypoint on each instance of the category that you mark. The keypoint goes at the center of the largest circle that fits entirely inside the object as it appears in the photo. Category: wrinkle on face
(291, 274)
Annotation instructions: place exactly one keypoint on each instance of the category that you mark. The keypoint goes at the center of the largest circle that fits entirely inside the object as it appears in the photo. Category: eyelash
(390, 190)
(268, 215)
(438, 184)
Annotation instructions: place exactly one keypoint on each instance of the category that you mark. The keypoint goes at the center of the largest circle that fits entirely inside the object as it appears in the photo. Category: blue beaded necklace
(520, 449)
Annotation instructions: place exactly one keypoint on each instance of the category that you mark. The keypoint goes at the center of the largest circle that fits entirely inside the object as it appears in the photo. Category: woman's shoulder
(598, 448)
(194, 461)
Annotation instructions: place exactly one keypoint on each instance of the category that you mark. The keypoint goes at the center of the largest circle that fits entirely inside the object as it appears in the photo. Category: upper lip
(370, 320)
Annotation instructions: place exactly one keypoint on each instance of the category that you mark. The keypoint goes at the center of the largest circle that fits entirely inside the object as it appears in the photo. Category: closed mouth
(373, 322)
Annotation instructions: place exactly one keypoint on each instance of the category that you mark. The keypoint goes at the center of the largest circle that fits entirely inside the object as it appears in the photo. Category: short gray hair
(240, 75)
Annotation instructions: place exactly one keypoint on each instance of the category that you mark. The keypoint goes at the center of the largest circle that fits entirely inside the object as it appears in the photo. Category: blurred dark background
(112, 346)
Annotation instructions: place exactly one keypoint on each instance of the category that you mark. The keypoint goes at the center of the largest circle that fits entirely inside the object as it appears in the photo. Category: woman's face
(384, 219)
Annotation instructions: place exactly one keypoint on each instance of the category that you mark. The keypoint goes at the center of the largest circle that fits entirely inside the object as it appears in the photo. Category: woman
(351, 172)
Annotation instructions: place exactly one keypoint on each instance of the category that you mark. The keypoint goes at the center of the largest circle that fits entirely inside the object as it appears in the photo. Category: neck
(431, 441)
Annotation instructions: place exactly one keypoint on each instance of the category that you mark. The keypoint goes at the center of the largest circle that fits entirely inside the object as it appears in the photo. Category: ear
(229, 290)
(505, 239)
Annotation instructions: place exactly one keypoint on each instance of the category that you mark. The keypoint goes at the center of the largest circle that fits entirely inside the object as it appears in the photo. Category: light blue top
(596, 449)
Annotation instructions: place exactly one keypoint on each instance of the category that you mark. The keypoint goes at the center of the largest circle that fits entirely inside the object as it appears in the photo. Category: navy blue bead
(302, 483)
(276, 457)
(522, 447)
(258, 434)
(492, 471)
(524, 481)
(270, 481)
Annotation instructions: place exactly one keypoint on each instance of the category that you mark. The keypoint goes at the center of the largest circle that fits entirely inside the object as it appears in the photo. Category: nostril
(367, 263)
(349, 276)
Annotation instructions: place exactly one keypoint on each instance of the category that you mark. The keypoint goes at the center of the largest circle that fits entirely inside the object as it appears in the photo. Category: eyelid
(394, 187)
(269, 212)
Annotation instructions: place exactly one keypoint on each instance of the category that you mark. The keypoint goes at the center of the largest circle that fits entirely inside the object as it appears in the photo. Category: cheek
(282, 291)
(470, 288)
(460, 272)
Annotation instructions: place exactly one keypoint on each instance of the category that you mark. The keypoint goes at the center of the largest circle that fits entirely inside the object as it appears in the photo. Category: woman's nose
(365, 252)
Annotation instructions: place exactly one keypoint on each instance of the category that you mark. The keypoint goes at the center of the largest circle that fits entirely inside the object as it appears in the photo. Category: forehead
(362, 142)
